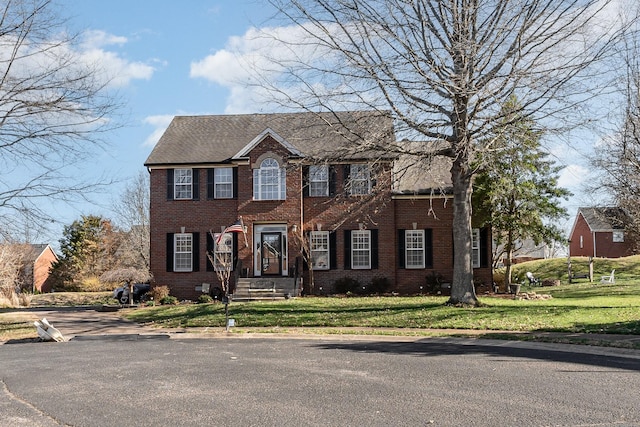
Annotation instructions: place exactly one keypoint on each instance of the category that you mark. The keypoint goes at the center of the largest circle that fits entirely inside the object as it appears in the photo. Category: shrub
(205, 299)
(347, 285)
(379, 285)
(159, 292)
(169, 300)
(433, 283)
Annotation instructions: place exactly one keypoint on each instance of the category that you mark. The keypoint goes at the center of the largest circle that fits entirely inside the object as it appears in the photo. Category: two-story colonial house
(311, 205)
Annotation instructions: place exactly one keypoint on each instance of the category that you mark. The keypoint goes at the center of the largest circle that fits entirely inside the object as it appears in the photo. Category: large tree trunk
(462, 288)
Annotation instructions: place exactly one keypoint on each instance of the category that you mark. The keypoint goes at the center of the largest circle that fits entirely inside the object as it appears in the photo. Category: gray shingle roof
(604, 218)
(217, 138)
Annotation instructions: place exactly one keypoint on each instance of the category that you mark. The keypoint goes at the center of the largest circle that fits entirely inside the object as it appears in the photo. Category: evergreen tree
(518, 186)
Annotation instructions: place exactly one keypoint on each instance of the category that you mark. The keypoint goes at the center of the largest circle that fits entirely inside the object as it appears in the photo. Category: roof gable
(258, 139)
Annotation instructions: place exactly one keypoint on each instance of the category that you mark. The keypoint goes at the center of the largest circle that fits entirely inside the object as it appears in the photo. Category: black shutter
(428, 247)
(210, 250)
(347, 249)
(169, 184)
(195, 174)
(169, 251)
(195, 248)
(484, 252)
(235, 182)
(210, 184)
(333, 255)
(347, 178)
(305, 181)
(234, 250)
(374, 249)
(401, 249)
(373, 175)
(333, 178)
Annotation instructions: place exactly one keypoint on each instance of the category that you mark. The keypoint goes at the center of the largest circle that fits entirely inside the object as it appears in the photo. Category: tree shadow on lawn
(433, 347)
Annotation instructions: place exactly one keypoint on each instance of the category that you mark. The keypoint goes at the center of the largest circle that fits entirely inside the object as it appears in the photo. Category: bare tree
(443, 69)
(618, 158)
(133, 219)
(53, 107)
(221, 257)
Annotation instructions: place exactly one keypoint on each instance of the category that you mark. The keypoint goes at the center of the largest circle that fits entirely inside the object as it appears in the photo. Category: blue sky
(172, 58)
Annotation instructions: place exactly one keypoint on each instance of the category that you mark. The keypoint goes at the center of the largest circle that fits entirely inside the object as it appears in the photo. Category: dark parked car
(139, 293)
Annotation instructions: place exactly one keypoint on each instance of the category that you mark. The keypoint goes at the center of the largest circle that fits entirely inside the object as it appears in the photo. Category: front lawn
(581, 307)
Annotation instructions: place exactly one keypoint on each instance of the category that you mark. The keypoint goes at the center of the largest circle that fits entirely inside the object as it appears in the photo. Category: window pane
(223, 183)
(319, 245)
(183, 252)
(359, 181)
(475, 247)
(318, 180)
(269, 182)
(414, 248)
(361, 249)
(223, 252)
(182, 179)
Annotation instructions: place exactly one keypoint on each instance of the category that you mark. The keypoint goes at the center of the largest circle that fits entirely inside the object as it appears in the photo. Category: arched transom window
(269, 181)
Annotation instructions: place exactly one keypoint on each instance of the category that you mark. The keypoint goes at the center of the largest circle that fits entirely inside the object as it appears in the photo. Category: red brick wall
(581, 229)
(341, 213)
(41, 268)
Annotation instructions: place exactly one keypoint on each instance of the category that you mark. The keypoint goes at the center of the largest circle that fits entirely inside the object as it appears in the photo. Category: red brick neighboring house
(599, 232)
(35, 272)
(359, 215)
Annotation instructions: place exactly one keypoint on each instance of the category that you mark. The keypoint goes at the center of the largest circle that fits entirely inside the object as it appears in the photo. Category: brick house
(312, 209)
(600, 232)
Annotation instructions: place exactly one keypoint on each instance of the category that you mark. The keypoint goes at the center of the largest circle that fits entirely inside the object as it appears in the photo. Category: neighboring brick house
(36, 266)
(600, 232)
(360, 215)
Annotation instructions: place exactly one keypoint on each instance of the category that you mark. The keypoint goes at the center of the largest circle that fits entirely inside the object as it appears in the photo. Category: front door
(271, 254)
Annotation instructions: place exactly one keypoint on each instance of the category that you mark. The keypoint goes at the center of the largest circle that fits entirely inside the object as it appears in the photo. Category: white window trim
(176, 238)
(216, 250)
(323, 170)
(354, 235)
(217, 183)
(475, 247)
(353, 180)
(323, 250)
(407, 249)
(281, 178)
(182, 181)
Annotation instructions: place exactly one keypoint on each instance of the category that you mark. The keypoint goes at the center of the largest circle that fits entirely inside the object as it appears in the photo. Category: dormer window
(269, 181)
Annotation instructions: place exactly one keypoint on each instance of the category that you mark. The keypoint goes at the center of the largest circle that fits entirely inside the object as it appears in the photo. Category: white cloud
(118, 70)
(573, 176)
(160, 123)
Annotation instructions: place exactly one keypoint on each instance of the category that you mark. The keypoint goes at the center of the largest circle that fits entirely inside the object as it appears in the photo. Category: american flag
(236, 227)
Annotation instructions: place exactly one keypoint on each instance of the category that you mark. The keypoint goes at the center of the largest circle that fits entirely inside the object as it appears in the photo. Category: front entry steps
(265, 289)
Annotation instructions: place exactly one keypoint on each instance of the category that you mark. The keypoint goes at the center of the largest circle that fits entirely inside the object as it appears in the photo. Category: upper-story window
(359, 179)
(223, 183)
(269, 181)
(183, 183)
(318, 180)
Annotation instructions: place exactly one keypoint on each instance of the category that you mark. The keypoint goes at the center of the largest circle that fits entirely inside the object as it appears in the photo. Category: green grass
(612, 309)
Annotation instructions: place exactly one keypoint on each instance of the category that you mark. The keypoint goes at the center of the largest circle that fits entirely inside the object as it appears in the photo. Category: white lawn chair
(610, 278)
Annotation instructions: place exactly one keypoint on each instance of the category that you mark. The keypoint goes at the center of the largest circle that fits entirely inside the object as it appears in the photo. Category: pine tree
(518, 185)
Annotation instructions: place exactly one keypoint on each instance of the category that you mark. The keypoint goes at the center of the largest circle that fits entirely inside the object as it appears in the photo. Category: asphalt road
(152, 380)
